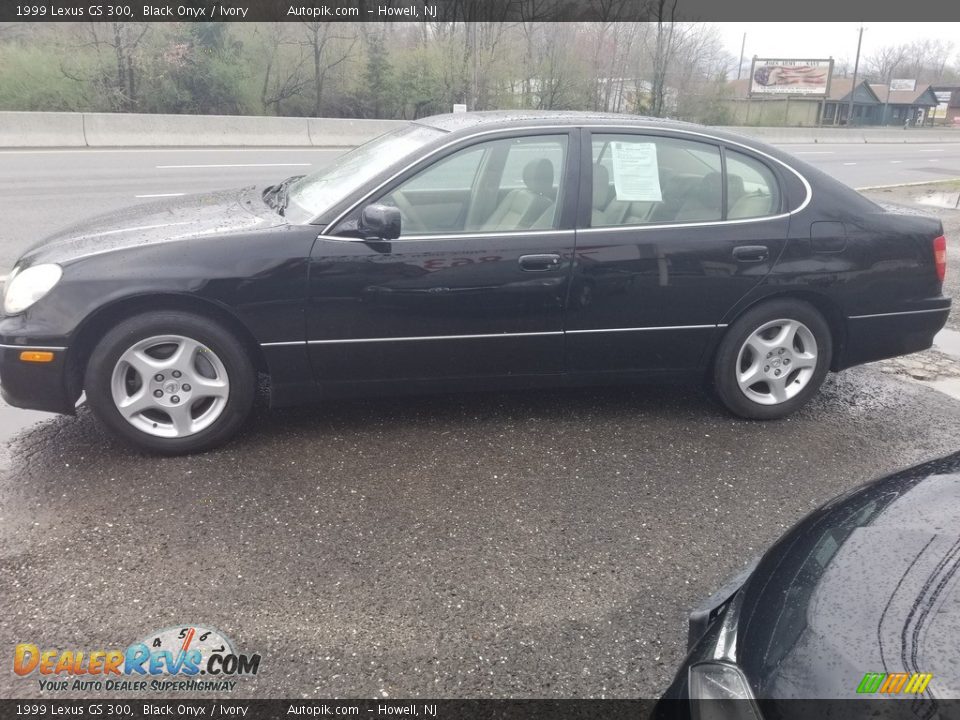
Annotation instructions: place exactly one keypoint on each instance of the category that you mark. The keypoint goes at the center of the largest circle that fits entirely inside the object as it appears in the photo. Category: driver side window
(506, 185)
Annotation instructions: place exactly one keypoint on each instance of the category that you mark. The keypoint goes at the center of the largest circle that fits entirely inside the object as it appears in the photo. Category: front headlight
(25, 287)
(719, 691)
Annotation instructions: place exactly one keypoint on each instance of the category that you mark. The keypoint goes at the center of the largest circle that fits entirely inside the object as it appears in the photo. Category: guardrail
(40, 129)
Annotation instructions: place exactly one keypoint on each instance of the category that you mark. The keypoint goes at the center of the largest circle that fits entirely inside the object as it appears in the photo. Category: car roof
(452, 122)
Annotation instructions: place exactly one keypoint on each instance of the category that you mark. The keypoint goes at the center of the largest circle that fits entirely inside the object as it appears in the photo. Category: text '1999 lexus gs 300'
(474, 251)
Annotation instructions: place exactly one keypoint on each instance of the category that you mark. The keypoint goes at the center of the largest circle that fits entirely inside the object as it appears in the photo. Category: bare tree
(664, 46)
(327, 51)
(285, 75)
(882, 64)
(115, 44)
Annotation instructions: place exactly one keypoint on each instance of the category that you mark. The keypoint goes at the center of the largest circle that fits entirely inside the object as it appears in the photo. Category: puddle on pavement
(941, 199)
(13, 421)
(948, 386)
(948, 341)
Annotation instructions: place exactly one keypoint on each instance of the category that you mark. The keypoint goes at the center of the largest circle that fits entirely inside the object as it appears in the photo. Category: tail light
(940, 256)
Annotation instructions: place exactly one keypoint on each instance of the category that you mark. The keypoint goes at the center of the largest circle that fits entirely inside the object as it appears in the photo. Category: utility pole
(853, 87)
(743, 47)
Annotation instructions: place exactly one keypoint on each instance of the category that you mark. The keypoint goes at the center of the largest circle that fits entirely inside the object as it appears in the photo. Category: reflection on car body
(868, 583)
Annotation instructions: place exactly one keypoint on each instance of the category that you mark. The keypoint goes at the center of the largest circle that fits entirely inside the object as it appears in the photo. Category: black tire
(240, 374)
(725, 366)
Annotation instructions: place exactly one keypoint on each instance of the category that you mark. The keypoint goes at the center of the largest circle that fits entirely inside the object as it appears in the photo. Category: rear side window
(642, 179)
(752, 189)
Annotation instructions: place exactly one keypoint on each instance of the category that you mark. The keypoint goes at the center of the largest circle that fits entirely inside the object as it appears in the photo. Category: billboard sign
(790, 77)
(898, 84)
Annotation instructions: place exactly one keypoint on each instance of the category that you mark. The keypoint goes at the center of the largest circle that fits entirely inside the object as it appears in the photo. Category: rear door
(676, 230)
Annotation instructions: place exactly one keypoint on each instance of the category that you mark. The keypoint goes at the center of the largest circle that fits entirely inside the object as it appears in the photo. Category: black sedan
(474, 251)
(858, 601)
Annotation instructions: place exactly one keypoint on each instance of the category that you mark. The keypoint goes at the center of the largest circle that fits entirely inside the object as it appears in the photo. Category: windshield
(311, 195)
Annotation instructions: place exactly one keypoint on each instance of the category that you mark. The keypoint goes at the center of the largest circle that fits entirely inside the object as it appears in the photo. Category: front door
(476, 283)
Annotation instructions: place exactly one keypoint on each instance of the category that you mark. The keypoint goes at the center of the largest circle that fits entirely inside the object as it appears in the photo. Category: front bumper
(37, 386)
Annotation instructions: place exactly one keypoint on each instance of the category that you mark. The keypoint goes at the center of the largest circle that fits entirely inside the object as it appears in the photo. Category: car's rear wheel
(170, 382)
(773, 359)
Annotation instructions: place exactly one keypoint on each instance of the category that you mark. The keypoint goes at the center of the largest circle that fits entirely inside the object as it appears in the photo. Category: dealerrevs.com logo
(185, 658)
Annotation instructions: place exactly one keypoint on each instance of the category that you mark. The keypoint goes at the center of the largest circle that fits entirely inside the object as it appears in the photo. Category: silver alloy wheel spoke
(778, 388)
(182, 422)
(776, 361)
(170, 386)
(185, 353)
(143, 363)
(804, 361)
(136, 404)
(205, 387)
(752, 376)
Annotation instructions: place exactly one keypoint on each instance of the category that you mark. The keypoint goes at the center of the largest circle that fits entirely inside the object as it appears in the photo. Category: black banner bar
(473, 11)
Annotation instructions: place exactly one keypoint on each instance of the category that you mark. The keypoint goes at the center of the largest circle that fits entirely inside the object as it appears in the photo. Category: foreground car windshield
(314, 193)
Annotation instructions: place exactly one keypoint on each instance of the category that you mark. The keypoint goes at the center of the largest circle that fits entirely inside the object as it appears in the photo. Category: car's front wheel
(773, 359)
(170, 382)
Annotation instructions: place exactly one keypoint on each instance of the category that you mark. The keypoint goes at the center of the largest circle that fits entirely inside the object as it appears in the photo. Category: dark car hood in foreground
(868, 583)
(179, 218)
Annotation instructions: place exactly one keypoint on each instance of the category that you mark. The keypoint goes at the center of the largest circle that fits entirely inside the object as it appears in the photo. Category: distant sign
(790, 77)
(898, 84)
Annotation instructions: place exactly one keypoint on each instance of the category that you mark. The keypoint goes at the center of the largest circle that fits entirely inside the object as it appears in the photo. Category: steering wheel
(411, 218)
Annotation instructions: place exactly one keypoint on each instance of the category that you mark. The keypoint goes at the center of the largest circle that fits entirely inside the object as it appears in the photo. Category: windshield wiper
(276, 195)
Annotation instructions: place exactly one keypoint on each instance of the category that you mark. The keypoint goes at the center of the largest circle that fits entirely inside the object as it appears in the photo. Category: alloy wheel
(170, 386)
(776, 361)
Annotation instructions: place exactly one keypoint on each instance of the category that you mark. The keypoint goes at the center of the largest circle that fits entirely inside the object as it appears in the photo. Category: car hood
(172, 219)
(868, 583)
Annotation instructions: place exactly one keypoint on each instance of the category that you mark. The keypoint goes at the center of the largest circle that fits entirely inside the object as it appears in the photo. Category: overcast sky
(826, 39)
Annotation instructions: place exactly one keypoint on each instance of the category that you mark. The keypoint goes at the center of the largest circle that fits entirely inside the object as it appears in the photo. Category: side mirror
(380, 221)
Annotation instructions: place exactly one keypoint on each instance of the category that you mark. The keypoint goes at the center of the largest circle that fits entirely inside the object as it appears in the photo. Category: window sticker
(636, 175)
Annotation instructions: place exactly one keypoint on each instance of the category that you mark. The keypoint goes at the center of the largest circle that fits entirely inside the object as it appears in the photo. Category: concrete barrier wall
(29, 129)
(107, 129)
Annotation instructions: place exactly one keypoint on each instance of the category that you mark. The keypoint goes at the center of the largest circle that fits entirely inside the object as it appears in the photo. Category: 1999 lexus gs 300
(474, 251)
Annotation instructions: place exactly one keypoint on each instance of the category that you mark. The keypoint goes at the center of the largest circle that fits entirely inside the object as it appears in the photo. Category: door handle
(539, 263)
(751, 253)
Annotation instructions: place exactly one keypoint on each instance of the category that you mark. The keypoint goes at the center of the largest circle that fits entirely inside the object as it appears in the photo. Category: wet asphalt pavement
(488, 545)
(531, 544)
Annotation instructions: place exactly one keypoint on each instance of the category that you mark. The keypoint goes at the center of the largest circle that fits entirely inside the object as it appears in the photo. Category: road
(531, 544)
(44, 190)
(878, 164)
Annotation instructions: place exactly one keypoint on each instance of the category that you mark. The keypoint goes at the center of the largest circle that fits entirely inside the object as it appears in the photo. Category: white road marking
(894, 162)
(849, 163)
(934, 160)
(237, 165)
(931, 150)
(160, 195)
